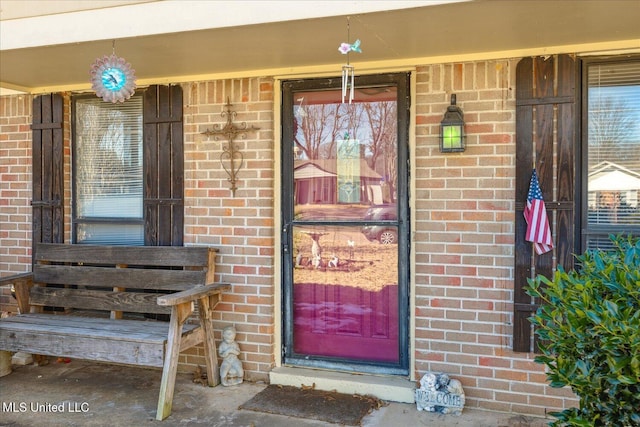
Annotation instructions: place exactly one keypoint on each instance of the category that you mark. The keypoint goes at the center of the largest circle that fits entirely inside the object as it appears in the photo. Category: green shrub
(589, 327)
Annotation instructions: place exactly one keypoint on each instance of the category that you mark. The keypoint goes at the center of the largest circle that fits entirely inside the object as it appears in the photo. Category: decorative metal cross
(230, 132)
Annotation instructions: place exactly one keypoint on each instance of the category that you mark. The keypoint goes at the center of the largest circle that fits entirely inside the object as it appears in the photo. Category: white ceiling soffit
(172, 16)
(180, 41)
(15, 9)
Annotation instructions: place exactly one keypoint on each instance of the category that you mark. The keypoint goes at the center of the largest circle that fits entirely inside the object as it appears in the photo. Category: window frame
(75, 220)
(584, 229)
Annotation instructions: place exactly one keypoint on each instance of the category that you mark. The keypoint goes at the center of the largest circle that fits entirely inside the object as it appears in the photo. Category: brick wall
(241, 227)
(15, 191)
(66, 134)
(464, 241)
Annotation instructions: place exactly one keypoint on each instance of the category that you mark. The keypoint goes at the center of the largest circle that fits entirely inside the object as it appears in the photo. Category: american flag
(535, 214)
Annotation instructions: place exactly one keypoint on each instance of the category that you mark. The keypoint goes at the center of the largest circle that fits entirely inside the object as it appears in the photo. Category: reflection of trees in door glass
(322, 123)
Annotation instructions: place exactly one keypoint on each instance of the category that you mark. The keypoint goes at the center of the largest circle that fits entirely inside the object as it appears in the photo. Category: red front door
(353, 322)
(343, 205)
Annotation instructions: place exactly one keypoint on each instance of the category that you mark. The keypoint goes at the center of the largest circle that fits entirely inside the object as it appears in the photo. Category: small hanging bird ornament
(348, 72)
(346, 47)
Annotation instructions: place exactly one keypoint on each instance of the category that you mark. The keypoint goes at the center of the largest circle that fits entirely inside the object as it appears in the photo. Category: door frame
(405, 82)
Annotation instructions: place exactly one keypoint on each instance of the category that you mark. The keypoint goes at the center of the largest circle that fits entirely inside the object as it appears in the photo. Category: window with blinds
(612, 151)
(108, 180)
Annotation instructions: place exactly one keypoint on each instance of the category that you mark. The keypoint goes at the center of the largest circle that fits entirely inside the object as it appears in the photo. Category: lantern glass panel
(451, 137)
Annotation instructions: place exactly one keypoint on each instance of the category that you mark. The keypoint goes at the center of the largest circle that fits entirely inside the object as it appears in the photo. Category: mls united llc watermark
(45, 407)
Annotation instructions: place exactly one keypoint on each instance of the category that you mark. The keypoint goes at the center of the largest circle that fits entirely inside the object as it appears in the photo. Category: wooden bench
(104, 291)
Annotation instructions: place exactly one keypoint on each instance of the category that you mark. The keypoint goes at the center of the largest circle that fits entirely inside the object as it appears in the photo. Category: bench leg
(5, 362)
(179, 314)
(205, 307)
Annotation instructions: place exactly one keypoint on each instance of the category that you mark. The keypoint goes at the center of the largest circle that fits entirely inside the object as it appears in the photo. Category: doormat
(329, 406)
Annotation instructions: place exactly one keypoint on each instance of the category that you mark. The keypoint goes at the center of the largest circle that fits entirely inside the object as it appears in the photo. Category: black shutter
(163, 166)
(48, 170)
(547, 123)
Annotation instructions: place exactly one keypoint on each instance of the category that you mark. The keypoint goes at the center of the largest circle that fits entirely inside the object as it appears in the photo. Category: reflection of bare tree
(612, 124)
(382, 120)
(371, 127)
(319, 128)
(108, 144)
(614, 139)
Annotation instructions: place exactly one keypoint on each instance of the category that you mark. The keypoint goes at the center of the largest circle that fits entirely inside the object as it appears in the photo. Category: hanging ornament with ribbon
(348, 72)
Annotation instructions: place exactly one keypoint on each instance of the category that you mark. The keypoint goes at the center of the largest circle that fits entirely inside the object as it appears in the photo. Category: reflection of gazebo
(608, 177)
(316, 182)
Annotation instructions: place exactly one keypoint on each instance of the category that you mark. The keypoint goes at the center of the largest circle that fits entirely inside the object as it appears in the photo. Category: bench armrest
(21, 284)
(197, 292)
(16, 278)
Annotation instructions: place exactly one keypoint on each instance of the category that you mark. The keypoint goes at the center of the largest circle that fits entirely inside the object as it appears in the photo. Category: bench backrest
(116, 278)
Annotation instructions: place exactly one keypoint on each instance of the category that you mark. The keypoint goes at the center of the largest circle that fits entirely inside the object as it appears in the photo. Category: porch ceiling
(395, 38)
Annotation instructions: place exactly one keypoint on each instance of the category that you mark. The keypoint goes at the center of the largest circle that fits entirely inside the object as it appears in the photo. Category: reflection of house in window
(613, 194)
(315, 182)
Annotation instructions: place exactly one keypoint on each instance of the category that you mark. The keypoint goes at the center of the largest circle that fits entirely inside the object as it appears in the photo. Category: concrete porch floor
(94, 394)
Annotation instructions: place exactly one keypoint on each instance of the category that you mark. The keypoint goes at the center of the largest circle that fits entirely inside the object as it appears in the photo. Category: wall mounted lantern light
(452, 129)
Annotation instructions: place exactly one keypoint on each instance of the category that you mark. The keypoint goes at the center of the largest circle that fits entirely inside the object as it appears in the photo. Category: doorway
(345, 228)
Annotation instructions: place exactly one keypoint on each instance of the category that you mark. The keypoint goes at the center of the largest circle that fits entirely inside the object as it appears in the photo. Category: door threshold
(384, 387)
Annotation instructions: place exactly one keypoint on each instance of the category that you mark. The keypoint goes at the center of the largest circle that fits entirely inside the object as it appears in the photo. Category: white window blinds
(108, 171)
(613, 183)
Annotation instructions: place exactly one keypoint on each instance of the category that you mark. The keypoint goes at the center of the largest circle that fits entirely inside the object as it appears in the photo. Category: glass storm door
(345, 224)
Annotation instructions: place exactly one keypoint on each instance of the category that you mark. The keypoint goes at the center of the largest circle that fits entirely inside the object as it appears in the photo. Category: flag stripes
(535, 214)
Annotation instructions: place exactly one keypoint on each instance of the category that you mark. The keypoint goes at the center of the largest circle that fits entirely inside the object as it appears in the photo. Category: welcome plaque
(439, 393)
